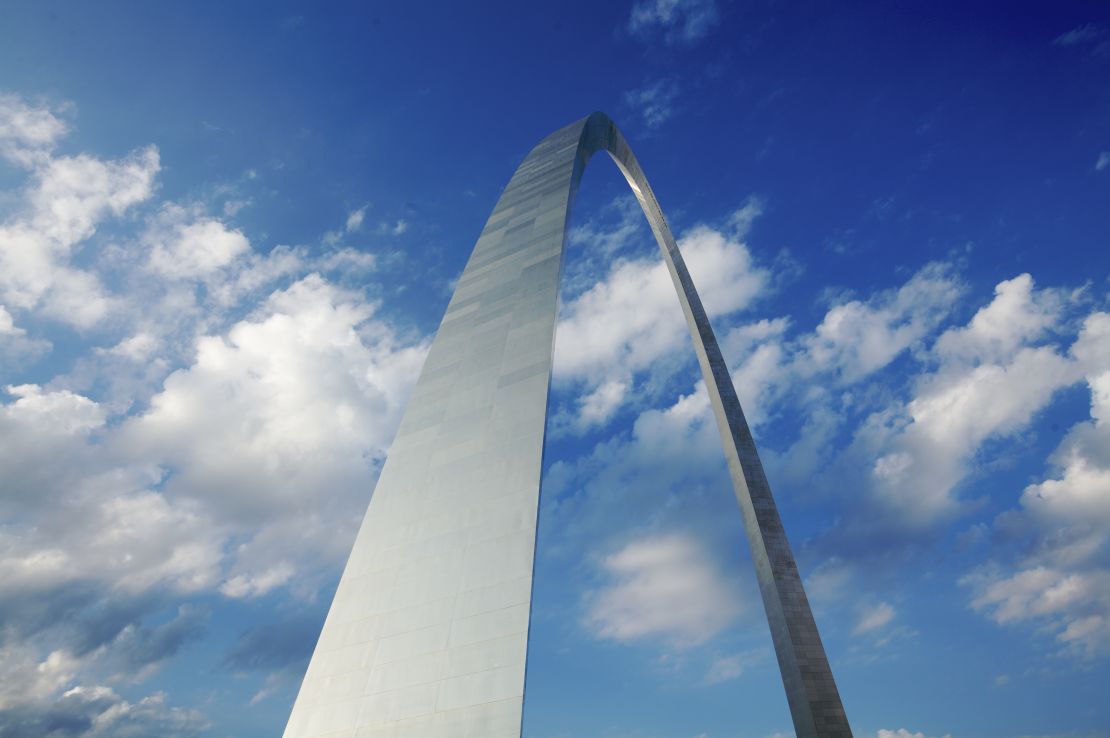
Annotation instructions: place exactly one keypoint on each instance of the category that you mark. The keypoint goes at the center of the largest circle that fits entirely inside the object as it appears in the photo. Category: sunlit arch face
(428, 632)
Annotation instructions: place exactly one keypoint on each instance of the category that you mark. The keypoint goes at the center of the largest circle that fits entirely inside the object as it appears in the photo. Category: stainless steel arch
(427, 634)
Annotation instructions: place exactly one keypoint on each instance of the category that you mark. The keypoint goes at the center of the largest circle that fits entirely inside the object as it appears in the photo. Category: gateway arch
(428, 632)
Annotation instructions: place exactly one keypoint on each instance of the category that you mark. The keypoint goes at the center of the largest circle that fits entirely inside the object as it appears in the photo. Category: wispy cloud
(354, 220)
(677, 21)
(902, 733)
(874, 618)
(1103, 161)
(654, 102)
(1080, 35)
(397, 228)
(727, 668)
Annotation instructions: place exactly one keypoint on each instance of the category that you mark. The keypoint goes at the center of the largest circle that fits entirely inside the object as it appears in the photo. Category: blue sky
(228, 232)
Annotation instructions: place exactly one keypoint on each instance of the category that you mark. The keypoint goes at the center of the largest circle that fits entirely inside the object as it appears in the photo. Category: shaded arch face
(428, 632)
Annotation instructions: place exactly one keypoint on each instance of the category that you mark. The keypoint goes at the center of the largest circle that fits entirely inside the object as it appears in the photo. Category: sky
(228, 232)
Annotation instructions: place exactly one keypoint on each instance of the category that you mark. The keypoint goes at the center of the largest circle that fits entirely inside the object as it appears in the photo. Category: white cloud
(679, 21)
(1080, 35)
(630, 321)
(1103, 161)
(113, 716)
(856, 338)
(269, 441)
(36, 698)
(874, 618)
(984, 380)
(138, 347)
(258, 419)
(398, 228)
(72, 193)
(28, 680)
(252, 585)
(1063, 582)
(599, 405)
(727, 668)
(348, 261)
(608, 240)
(654, 101)
(1017, 315)
(7, 324)
(232, 207)
(991, 381)
(15, 345)
(185, 247)
(664, 588)
(1038, 591)
(285, 420)
(253, 275)
(354, 219)
(266, 417)
(66, 200)
(764, 370)
(28, 133)
(902, 733)
(742, 219)
(90, 711)
(58, 412)
(829, 581)
(353, 224)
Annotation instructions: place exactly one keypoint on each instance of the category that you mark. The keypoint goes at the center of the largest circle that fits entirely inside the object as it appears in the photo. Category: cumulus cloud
(969, 385)
(609, 338)
(234, 397)
(98, 711)
(1062, 582)
(39, 698)
(630, 320)
(28, 133)
(672, 455)
(87, 517)
(67, 199)
(663, 587)
(119, 512)
(191, 249)
(993, 376)
(677, 21)
(856, 338)
(27, 680)
(287, 404)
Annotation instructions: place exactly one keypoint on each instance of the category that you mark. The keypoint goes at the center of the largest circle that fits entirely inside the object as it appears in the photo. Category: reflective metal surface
(428, 632)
